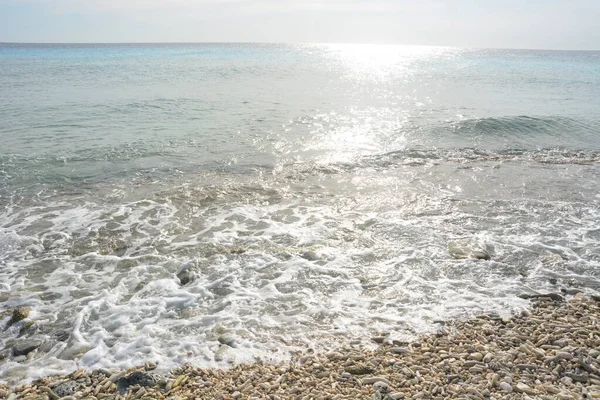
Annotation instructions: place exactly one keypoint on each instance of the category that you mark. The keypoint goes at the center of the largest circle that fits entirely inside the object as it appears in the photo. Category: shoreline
(550, 351)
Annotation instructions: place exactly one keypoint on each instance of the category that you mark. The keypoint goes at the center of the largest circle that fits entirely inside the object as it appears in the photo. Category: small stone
(228, 340)
(186, 276)
(521, 387)
(505, 386)
(221, 352)
(550, 296)
(398, 350)
(61, 336)
(578, 377)
(66, 389)
(136, 378)
(18, 314)
(334, 355)
(564, 356)
(360, 370)
(561, 343)
(49, 393)
(475, 392)
(27, 328)
(381, 387)
(495, 379)
(552, 389)
(24, 347)
(467, 249)
(397, 395)
(476, 356)
(469, 364)
(375, 379)
(310, 255)
(149, 366)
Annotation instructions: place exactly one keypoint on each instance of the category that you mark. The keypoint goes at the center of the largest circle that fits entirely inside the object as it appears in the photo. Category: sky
(533, 24)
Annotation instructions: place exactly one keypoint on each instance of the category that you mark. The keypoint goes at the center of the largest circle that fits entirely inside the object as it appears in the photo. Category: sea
(216, 204)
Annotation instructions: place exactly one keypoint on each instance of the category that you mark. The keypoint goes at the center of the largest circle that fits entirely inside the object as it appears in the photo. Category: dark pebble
(67, 389)
(578, 377)
(552, 296)
(24, 347)
(61, 336)
(136, 378)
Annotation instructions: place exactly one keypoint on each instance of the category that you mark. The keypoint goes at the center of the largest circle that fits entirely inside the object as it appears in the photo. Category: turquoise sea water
(310, 190)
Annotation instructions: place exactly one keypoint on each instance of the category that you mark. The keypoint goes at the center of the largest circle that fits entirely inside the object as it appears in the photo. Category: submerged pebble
(18, 314)
(24, 347)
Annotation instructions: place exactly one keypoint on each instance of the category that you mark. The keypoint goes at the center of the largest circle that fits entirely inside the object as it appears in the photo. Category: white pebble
(506, 387)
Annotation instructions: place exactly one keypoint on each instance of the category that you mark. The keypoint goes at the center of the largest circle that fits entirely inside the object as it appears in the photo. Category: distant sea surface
(223, 203)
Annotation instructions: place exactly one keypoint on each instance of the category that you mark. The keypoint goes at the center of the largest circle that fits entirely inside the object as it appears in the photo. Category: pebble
(521, 387)
(18, 314)
(139, 378)
(66, 388)
(374, 379)
(398, 350)
(227, 340)
(397, 395)
(567, 381)
(24, 347)
(564, 356)
(505, 386)
(382, 386)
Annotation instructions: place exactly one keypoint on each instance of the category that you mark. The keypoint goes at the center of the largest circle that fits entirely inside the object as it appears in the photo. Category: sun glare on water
(379, 93)
(381, 60)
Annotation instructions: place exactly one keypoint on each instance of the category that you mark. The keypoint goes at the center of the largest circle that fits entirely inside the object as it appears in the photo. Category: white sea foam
(276, 273)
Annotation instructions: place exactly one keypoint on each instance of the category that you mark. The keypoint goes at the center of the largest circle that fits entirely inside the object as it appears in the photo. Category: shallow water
(312, 190)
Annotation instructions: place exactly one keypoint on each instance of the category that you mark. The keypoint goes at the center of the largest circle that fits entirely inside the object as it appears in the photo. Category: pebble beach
(283, 217)
(551, 351)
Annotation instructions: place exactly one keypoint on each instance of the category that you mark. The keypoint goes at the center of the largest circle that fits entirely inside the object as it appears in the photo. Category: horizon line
(294, 43)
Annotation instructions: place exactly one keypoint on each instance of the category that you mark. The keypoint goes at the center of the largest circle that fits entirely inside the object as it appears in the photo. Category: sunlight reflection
(383, 60)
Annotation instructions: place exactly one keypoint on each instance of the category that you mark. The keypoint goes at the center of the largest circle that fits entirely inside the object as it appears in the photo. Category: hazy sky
(558, 24)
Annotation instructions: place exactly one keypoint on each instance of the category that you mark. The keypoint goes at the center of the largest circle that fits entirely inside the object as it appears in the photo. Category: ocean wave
(521, 131)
